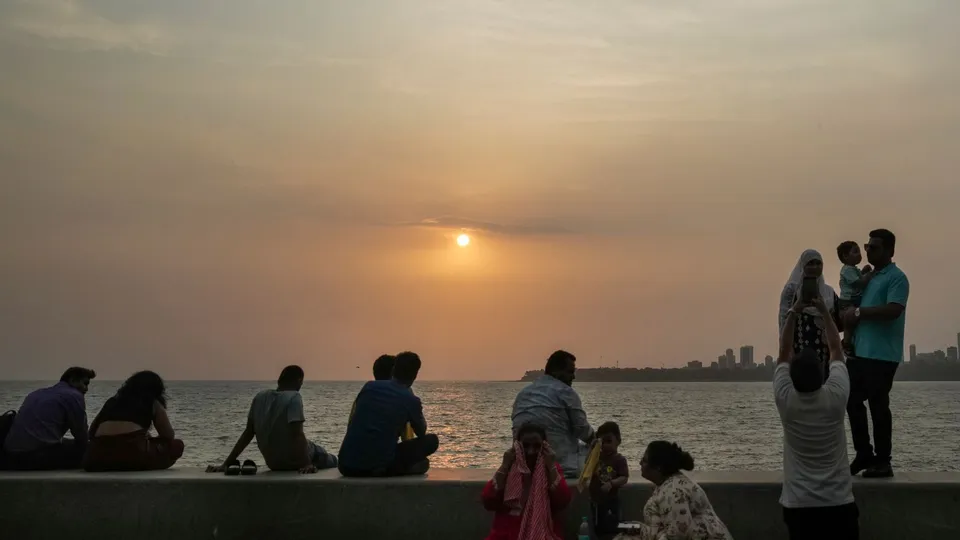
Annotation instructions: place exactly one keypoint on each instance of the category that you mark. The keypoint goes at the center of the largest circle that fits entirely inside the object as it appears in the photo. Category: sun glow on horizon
(463, 240)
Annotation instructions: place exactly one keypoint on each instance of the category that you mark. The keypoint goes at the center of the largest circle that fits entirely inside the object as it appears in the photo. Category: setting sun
(463, 240)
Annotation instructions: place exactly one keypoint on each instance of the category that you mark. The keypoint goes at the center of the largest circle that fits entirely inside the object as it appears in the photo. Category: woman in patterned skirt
(810, 326)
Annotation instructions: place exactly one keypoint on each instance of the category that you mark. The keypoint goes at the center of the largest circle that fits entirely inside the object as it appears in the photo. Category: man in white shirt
(552, 403)
(817, 496)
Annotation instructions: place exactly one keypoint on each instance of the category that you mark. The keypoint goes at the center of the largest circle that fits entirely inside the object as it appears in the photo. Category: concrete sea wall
(187, 504)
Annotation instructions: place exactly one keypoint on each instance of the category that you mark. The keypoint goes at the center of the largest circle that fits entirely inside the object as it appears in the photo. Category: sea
(725, 426)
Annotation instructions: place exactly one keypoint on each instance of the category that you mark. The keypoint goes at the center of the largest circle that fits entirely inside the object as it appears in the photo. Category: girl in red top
(527, 494)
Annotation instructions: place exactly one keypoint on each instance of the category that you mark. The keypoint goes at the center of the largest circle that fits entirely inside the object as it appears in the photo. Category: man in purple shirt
(35, 441)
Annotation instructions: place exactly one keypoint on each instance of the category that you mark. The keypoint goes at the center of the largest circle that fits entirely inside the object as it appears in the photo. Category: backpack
(6, 422)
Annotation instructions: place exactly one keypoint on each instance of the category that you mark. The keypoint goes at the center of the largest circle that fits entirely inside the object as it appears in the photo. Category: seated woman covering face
(528, 491)
(678, 509)
(120, 434)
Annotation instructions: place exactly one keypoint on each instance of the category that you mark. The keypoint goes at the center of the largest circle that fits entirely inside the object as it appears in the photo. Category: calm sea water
(726, 426)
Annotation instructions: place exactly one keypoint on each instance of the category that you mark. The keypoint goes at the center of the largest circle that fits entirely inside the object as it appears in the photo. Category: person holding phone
(806, 283)
(817, 495)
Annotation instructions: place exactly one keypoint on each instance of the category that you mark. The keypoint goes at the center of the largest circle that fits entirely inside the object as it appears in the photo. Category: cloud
(454, 222)
(173, 30)
(71, 24)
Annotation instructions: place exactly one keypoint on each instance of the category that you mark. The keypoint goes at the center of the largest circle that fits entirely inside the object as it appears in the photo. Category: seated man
(276, 420)
(552, 402)
(383, 371)
(35, 441)
(383, 409)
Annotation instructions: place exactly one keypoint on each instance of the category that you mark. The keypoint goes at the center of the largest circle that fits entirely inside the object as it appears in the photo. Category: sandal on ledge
(249, 468)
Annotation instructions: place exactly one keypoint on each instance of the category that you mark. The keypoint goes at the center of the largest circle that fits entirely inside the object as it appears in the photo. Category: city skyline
(950, 353)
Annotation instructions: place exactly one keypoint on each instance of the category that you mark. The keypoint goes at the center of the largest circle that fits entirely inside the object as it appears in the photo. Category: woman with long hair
(810, 329)
(528, 491)
(678, 509)
(120, 434)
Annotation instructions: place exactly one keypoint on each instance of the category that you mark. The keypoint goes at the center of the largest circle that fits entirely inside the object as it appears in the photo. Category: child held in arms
(853, 281)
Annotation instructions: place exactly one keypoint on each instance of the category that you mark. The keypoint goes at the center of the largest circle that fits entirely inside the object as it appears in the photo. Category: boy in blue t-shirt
(852, 282)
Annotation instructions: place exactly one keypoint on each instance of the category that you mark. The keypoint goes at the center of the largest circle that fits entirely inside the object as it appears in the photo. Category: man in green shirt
(878, 344)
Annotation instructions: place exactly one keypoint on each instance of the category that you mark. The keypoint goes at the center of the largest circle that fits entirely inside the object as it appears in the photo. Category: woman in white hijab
(810, 324)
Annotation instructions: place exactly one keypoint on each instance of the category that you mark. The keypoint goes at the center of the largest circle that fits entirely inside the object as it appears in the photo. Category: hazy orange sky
(214, 189)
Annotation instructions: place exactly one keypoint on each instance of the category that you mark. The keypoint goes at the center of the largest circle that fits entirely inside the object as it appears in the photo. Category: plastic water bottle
(584, 533)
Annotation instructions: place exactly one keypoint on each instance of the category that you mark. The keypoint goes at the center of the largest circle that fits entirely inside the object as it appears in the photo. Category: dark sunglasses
(871, 247)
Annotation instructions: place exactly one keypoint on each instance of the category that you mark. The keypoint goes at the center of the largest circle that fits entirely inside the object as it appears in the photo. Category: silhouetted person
(276, 420)
(383, 367)
(120, 434)
(552, 403)
(383, 371)
(878, 346)
(383, 409)
(36, 438)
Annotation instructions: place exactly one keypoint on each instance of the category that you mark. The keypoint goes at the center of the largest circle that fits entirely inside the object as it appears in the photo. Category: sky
(214, 189)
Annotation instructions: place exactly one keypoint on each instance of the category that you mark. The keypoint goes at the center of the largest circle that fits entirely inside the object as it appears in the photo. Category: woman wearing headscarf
(528, 491)
(678, 509)
(810, 326)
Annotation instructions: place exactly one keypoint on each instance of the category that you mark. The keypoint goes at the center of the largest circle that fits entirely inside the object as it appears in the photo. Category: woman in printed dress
(809, 331)
(678, 509)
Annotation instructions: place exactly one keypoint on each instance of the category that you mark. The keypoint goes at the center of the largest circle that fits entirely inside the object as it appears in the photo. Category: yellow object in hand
(590, 467)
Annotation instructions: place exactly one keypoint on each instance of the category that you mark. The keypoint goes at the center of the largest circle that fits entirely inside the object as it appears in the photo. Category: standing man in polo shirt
(878, 351)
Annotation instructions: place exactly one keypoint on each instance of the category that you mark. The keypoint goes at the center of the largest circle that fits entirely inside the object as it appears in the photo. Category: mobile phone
(809, 289)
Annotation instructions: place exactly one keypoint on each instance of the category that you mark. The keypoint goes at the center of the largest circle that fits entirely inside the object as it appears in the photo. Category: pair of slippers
(249, 468)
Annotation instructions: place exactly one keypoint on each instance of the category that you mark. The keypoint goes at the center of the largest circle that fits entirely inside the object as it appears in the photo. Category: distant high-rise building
(722, 362)
(952, 354)
(768, 361)
(934, 357)
(746, 356)
(714, 365)
(913, 353)
(695, 364)
(731, 359)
